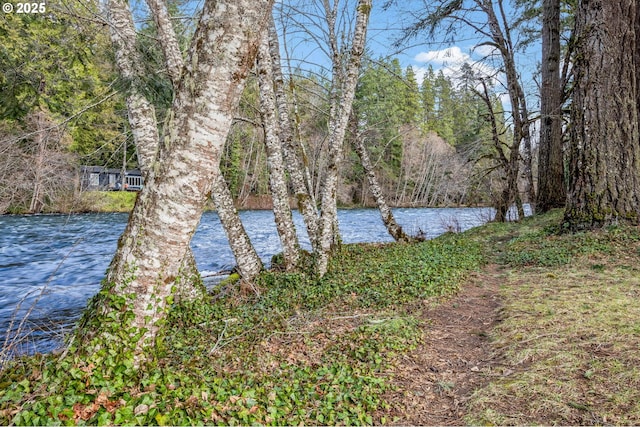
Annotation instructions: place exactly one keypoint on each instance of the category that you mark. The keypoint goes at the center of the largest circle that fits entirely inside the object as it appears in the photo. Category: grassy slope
(295, 350)
(109, 201)
(570, 329)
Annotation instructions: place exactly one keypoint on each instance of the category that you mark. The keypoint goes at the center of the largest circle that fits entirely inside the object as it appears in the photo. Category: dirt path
(436, 380)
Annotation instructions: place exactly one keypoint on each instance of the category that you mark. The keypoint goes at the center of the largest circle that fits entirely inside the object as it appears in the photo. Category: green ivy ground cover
(290, 349)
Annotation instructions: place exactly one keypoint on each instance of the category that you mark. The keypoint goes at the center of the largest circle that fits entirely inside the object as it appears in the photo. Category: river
(51, 264)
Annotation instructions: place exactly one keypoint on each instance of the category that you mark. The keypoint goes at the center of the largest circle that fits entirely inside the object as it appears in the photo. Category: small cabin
(98, 178)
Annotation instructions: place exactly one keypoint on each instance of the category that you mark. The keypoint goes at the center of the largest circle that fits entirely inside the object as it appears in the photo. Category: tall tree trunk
(126, 316)
(501, 36)
(249, 263)
(551, 188)
(294, 155)
(141, 112)
(275, 163)
(604, 185)
(341, 100)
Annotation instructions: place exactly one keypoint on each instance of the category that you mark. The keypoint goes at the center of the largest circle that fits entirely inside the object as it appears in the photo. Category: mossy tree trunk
(147, 269)
(604, 185)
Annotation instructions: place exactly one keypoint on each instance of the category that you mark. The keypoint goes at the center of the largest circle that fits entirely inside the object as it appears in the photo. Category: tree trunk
(141, 113)
(168, 40)
(551, 188)
(604, 186)
(275, 163)
(530, 188)
(249, 263)
(502, 38)
(40, 144)
(394, 229)
(126, 316)
(294, 156)
(341, 100)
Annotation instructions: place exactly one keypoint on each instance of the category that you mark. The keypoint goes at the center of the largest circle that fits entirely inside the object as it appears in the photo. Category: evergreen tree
(411, 107)
(445, 106)
(428, 99)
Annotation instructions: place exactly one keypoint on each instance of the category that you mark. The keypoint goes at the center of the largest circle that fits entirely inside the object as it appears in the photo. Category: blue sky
(385, 28)
(305, 25)
(465, 46)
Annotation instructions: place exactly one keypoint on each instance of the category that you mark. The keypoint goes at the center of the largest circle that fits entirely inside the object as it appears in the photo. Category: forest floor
(435, 381)
(547, 335)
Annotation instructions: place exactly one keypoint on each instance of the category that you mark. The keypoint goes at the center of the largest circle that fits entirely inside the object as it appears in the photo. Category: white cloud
(445, 57)
(486, 51)
(450, 60)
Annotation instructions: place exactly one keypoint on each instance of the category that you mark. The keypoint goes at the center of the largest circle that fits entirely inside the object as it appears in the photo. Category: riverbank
(334, 351)
(123, 201)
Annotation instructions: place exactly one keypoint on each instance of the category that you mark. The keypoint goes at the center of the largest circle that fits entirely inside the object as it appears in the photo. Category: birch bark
(297, 165)
(167, 37)
(341, 101)
(249, 263)
(394, 229)
(275, 163)
(147, 266)
(140, 111)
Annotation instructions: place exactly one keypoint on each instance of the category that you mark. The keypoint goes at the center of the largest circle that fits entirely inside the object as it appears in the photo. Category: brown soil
(434, 382)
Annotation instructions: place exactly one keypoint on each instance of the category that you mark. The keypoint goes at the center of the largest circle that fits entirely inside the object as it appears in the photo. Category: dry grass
(569, 343)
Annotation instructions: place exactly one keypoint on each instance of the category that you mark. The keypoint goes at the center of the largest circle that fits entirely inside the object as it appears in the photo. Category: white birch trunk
(341, 101)
(394, 229)
(141, 113)
(249, 263)
(298, 168)
(168, 41)
(275, 163)
(146, 268)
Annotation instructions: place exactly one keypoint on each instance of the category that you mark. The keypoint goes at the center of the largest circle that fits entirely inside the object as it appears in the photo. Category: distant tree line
(426, 139)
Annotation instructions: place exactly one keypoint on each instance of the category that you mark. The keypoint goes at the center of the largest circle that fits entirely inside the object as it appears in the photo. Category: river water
(51, 264)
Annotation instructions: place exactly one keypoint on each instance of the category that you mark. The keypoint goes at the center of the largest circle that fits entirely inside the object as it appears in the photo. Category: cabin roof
(102, 169)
